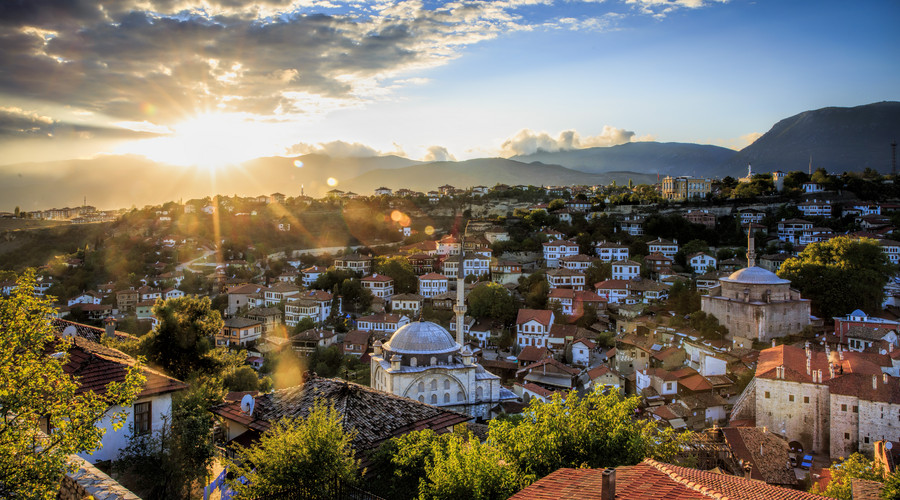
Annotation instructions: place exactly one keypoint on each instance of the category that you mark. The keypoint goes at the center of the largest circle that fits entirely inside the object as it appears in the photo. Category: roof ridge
(678, 478)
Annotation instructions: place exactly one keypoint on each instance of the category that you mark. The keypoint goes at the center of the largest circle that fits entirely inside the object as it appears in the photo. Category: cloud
(527, 141)
(341, 149)
(438, 153)
(17, 123)
(165, 60)
(661, 8)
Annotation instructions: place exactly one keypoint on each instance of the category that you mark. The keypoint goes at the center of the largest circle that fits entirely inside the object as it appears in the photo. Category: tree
(183, 338)
(856, 466)
(35, 386)
(463, 467)
(304, 453)
(556, 204)
(840, 275)
(597, 430)
(241, 379)
(597, 272)
(167, 463)
(492, 300)
(400, 270)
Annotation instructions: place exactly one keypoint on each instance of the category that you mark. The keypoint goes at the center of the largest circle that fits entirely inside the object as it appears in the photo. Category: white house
(383, 323)
(816, 208)
(812, 187)
(555, 250)
(411, 302)
(625, 270)
(106, 365)
(615, 291)
(566, 278)
(701, 261)
(87, 297)
(533, 327)
(611, 252)
(432, 284)
(581, 352)
(663, 246)
(311, 274)
(380, 285)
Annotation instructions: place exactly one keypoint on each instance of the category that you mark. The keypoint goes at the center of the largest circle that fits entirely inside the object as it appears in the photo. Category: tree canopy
(840, 275)
(492, 300)
(400, 270)
(183, 338)
(305, 453)
(857, 466)
(34, 386)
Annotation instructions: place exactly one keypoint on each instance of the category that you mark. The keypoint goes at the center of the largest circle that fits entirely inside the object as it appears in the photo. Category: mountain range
(837, 139)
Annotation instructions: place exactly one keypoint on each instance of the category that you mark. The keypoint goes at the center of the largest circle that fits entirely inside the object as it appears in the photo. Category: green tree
(463, 467)
(597, 272)
(35, 386)
(840, 275)
(398, 268)
(168, 463)
(891, 490)
(856, 466)
(241, 379)
(492, 300)
(184, 336)
(556, 204)
(401, 463)
(305, 453)
(597, 430)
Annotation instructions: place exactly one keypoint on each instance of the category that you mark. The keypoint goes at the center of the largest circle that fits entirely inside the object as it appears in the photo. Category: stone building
(832, 402)
(755, 304)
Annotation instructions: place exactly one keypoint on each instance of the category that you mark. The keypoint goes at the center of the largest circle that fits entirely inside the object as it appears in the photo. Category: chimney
(820, 376)
(884, 378)
(748, 469)
(110, 325)
(608, 485)
(831, 370)
(874, 381)
(808, 366)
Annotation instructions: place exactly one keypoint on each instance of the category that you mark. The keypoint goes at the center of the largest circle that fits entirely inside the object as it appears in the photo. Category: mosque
(756, 305)
(422, 361)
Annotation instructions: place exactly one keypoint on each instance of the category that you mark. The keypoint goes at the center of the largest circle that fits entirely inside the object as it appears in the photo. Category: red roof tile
(540, 315)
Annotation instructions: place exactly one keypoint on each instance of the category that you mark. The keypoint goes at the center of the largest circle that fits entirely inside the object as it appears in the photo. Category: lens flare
(298, 163)
(332, 181)
(429, 230)
(148, 109)
(396, 215)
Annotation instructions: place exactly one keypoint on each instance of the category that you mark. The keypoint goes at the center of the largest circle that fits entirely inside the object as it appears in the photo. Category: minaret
(460, 307)
(751, 253)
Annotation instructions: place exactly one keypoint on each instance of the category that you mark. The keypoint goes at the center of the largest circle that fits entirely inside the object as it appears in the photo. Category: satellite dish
(889, 445)
(247, 404)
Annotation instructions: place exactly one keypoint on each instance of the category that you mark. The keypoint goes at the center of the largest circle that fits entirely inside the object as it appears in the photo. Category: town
(751, 324)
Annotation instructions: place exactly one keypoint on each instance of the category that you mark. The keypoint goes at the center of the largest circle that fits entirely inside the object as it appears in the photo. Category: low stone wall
(89, 482)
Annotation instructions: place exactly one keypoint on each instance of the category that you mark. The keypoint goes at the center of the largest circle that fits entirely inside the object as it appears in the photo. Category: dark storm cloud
(169, 62)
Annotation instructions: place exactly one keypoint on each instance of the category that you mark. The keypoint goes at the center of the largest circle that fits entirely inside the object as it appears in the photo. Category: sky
(209, 82)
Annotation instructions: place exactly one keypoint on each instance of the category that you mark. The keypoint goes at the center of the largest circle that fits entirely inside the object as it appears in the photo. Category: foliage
(597, 430)
(891, 489)
(492, 300)
(183, 338)
(683, 299)
(398, 268)
(534, 288)
(707, 325)
(466, 468)
(401, 463)
(295, 453)
(241, 379)
(167, 463)
(597, 272)
(34, 386)
(856, 466)
(840, 275)
(356, 297)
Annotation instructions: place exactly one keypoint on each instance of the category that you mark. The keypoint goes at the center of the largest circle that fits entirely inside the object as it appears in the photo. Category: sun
(210, 141)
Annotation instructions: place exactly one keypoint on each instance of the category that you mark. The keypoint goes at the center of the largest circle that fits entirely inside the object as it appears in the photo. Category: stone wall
(804, 418)
(89, 482)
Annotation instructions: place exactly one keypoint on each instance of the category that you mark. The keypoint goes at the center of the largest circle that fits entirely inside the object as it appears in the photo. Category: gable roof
(542, 316)
(95, 366)
(375, 415)
(652, 480)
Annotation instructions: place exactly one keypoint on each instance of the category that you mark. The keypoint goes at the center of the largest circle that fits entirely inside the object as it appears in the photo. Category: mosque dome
(755, 276)
(421, 337)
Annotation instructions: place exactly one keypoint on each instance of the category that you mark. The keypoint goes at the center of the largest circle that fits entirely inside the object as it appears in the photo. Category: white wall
(113, 440)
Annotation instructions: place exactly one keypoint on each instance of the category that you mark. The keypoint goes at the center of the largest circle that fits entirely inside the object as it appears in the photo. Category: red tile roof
(542, 316)
(651, 480)
(793, 359)
(696, 383)
(95, 366)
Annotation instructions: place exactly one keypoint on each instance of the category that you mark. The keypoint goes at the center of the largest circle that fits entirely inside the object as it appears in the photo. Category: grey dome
(421, 337)
(757, 276)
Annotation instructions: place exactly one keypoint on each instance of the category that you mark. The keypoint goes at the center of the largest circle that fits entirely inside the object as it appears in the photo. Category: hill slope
(837, 139)
(669, 158)
(486, 172)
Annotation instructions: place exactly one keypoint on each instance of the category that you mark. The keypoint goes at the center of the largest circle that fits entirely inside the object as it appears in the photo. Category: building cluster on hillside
(836, 393)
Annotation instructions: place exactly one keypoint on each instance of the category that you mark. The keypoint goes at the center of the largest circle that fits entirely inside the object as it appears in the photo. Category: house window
(806, 399)
(767, 394)
(866, 439)
(791, 397)
(856, 409)
(846, 435)
(843, 407)
(142, 418)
